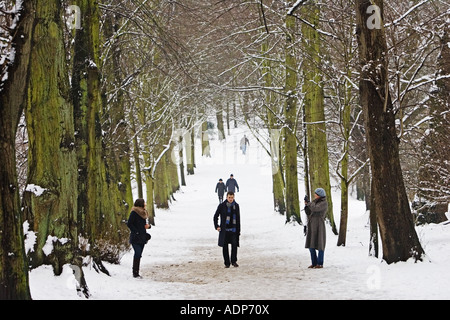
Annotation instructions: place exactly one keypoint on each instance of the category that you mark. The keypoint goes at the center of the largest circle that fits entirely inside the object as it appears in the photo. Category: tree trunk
(205, 140)
(290, 113)
(434, 168)
(161, 184)
(99, 217)
(220, 125)
(116, 128)
(181, 160)
(174, 183)
(373, 243)
(189, 138)
(315, 109)
(14, 282)
(136, 158)
(52, 163)
(275, 136)
(399, 237)
(345, 120)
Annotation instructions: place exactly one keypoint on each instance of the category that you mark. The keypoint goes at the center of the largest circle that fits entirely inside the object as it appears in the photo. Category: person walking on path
(137, 223)
(229, 228)
(316, 232)
(232, 184)
(244, 143)
(220, 190)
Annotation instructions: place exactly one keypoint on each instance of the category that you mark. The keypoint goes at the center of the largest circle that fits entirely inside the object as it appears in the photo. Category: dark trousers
(230, 238)
(138, 248)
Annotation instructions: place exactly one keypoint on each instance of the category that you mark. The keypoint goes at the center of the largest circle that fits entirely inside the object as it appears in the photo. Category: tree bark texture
(51, 155)
(14, 281)
(319, 170)
(99, 213)
(399, 238)
(290, 113)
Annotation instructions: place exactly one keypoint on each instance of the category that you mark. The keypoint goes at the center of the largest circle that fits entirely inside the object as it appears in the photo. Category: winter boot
(136, 264)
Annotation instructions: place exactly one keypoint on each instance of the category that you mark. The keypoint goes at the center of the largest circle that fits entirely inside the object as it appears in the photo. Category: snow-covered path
(183, 261)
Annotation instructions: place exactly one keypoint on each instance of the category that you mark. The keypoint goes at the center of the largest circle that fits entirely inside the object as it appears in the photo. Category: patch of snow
(35, 189)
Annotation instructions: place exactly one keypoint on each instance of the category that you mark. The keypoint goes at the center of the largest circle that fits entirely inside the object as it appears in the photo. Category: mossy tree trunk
(50, 201)
(99, 215)
(14, 281)
(290, 114)
(314, 107)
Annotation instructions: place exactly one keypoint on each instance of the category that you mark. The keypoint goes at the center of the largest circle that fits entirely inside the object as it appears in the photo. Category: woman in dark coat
(137, 223)
(316, 236)
(229, 228)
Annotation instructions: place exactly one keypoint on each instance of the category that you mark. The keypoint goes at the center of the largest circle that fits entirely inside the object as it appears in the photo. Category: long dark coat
(222, 213)
(316, 236)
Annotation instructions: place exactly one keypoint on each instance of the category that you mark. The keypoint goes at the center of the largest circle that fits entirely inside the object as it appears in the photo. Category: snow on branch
(9, 19)
(408, 12)
(295, 7)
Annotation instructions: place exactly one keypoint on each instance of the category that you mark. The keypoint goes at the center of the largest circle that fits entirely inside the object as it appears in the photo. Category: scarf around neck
(230, 204)
(141, 212)
(231, 218)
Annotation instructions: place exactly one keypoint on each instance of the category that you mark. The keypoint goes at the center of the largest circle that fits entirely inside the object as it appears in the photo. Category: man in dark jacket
(232, 184)
(220, 190)
(229, 228)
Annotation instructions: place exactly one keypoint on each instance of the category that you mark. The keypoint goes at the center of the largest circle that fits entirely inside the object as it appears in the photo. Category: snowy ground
(183, 261)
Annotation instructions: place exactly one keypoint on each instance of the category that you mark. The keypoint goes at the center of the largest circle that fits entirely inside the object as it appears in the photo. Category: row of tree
(93, 97)
(339, 86)
(97, 96)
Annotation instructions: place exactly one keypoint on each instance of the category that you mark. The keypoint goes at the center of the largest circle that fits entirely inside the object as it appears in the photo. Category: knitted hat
(320, 192)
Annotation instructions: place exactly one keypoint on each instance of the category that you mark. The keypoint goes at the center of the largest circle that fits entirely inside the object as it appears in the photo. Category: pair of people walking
(230, 185)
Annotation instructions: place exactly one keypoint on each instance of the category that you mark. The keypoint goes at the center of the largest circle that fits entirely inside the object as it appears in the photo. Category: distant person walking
(220, 190)
(244, 143)
(232, 184)
(137, 223)
(229, 228)
(316, 232)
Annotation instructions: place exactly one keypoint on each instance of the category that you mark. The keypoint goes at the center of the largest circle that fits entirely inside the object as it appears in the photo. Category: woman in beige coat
(316, 234)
